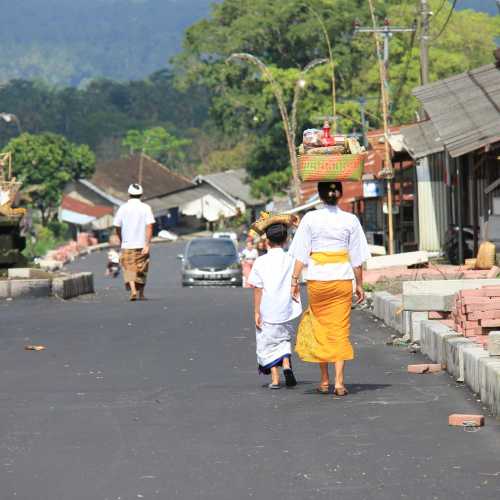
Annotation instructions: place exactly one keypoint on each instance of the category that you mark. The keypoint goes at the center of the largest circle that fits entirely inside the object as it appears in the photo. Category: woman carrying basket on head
(332, 244)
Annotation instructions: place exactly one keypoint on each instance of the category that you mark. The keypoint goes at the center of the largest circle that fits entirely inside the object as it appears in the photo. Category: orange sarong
(323, 334)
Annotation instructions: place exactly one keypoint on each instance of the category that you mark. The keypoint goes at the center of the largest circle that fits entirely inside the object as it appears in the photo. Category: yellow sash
(338, 257)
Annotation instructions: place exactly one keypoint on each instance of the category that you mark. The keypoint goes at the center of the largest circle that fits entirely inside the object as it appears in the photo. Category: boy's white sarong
(274, 343)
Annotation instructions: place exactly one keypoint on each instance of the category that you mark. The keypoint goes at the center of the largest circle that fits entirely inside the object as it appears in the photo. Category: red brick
(448, 322)
(483, 315)
(475, 300)
(493, 272)
(425, 368)
(461, 419)
(472, 293)
(490, 305)
(472, 332)
(490, 322)
(493, 291)
(439, 315)
(470, 324)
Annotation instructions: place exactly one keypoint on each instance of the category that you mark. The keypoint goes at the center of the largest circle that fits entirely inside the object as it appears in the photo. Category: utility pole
(424, 42)
(386, 31)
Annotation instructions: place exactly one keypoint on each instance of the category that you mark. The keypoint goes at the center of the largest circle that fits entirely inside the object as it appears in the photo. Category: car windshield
(220, 247)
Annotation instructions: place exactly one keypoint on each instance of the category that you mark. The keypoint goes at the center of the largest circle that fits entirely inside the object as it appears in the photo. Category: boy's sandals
(274, 386)
(340, 391)
(323, 389)
(290, 379)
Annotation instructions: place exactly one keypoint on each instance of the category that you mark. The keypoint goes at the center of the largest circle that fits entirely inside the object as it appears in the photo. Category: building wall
(432, 202)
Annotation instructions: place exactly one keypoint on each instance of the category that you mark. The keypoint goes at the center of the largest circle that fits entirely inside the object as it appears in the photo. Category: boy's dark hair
(277, 234)
(330, 192)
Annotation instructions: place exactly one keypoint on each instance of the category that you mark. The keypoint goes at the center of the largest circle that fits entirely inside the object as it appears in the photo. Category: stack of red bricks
(476, 312)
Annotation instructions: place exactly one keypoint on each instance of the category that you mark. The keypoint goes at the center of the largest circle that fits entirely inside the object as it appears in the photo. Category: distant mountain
(480, 5)
(69, 41)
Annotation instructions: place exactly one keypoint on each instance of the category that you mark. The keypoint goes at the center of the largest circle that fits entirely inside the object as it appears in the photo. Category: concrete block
(72, 286)
(490, 383)
(494, 343)
(4, 289)
(27, 273)
(438, 295)
(472, 353)
(433, 337)
(397, 260)
(30, 288)
(467, 420)
(454, 356)
(416, 323)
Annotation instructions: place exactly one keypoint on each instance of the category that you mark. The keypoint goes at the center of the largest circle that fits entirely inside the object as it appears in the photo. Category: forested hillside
(72, 41)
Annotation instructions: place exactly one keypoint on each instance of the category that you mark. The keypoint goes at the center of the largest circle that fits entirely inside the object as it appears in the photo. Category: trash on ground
(34, 348)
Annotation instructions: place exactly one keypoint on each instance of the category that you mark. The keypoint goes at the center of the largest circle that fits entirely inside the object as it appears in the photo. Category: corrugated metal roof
(232, 183)
(465, 109)
(422, 139)
(162, 204)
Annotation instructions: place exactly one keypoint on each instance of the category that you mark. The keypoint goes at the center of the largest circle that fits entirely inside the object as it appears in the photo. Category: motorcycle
(451, 244)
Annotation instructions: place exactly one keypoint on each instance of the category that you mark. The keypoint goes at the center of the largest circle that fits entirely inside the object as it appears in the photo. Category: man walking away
(134, 222)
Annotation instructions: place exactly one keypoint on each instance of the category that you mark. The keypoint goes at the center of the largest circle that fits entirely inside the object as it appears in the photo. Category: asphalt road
(162, 399)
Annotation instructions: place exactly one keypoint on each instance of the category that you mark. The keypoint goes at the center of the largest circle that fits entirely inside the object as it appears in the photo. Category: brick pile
(476, 312)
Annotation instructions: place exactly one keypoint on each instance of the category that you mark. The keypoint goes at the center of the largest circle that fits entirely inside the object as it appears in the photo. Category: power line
(441, 31)
(409, 50)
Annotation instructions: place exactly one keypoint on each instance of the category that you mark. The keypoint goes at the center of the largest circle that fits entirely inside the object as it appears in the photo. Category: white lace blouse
(329, 229)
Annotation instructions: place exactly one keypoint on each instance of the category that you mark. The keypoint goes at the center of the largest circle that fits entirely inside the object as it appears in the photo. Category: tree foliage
(47, 163)
(287, 36)
(159, 144)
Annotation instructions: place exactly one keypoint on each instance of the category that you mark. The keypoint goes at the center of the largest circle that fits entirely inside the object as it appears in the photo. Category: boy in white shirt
(271, 277)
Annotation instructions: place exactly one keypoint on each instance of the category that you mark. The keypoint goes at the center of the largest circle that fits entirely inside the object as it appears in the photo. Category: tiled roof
(233, 183)
(114, 177)
(69, 203)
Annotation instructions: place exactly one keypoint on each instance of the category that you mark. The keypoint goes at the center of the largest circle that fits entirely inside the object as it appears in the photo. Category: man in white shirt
(134, 223)
(271, 277)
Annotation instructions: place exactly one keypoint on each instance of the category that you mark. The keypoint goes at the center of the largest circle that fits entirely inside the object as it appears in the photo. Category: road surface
(162, 400)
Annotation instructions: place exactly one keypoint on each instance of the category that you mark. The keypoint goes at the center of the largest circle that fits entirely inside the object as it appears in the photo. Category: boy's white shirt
(273, 273)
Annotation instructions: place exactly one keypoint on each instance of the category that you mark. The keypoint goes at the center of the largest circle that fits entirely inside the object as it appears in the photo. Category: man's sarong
(323, 334)
(274, 344)
(135, 266)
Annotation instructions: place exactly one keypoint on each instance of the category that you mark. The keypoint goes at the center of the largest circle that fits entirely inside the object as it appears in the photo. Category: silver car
(212, 262)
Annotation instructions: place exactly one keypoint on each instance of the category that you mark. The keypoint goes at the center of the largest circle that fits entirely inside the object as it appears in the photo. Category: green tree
(48, 162)
(159, 144)
(286, 36)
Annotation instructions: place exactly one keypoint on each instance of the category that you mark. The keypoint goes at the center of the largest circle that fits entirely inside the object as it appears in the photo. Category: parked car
(212, 262)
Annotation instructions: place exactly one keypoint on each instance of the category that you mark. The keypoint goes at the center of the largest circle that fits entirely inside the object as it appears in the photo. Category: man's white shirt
(273, 273)
(133, 217)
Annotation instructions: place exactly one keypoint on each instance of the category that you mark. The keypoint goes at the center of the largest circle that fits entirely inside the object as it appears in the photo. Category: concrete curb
(73, 286)
(464, 360)
(65, 287)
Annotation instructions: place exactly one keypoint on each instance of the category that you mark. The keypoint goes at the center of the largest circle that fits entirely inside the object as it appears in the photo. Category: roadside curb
(464, 360)
(64, 287)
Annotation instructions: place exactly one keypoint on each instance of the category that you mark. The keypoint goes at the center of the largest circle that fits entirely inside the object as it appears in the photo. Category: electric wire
(409, 50)
(441, 31)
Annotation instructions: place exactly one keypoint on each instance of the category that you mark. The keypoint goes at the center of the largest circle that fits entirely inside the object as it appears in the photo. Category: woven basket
(486, 255)
(331, 167)
(10, 187)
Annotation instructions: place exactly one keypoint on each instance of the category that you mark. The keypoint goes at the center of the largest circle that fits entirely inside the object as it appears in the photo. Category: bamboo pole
(387, 170)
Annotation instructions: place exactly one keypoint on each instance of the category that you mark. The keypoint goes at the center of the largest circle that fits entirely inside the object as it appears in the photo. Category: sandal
(340, 391)
(290, 380)
(323, 389)
(133, 297)
(274, 386)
